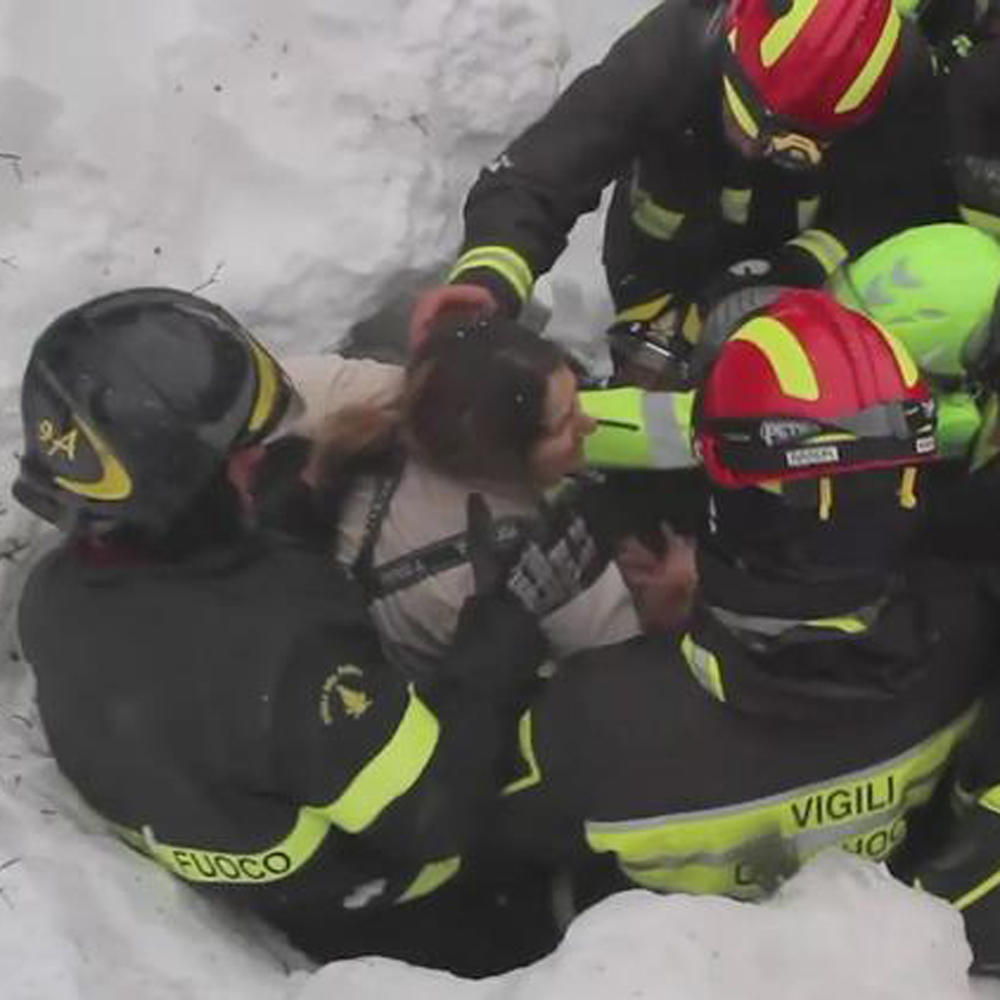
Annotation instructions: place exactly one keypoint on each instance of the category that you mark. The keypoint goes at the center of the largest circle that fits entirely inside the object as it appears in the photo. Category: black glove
(498, 645)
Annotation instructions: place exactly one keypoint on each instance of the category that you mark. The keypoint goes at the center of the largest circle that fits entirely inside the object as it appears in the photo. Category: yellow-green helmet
(936, 289)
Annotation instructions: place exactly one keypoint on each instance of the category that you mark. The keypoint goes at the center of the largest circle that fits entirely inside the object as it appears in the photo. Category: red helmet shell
(807, 358)
(821, 65)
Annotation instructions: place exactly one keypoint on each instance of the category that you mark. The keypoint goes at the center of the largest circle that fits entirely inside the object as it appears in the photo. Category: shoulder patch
(343, 694)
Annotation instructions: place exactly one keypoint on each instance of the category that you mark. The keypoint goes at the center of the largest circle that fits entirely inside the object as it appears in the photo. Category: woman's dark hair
(474, 399)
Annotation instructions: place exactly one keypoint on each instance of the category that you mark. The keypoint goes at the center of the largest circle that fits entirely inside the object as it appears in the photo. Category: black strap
(438, 557)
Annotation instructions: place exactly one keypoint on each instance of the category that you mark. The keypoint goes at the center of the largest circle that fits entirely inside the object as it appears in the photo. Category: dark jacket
(718, 763)
(232, 715)
(649, 117)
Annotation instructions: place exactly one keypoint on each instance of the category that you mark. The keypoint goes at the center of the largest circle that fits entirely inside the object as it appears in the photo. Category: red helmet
(819, 66)
(808, 388)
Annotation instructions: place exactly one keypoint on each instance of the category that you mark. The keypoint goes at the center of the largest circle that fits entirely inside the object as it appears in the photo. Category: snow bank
(816, 939)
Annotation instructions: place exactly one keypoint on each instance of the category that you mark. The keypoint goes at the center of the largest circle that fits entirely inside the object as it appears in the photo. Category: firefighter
(751, 135)
(218, 694)
(821, 686)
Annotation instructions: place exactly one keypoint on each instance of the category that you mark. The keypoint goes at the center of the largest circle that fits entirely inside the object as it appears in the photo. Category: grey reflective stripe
(806, 842)
(782, 798)
(667, 419)
(767, 626)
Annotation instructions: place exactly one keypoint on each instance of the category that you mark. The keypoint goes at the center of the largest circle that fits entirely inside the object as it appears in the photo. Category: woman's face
(559, 450)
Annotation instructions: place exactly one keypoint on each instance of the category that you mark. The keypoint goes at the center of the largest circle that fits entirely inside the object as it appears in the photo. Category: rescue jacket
(649, 117)
(232, 716)
(717, 762)
(974, 116)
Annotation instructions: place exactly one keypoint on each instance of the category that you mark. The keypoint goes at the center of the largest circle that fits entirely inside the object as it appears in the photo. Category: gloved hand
(447, 301)
(498, 645)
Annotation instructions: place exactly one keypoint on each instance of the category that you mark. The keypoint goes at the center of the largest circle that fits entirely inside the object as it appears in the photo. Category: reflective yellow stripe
(825, 498)
(866, 80)
(977, 893)
(829, 252)
(508, 263)
(652, 218)
(806, 210)
(387, 776)
(740, 112)
(735, 205)
(847, 624)
(432, 876)
(268, 381)
(785, 30)
(644, 311)
(907, 488)
(114, 483)
(714, 850)
(638, 429)
(986, 221)
(526, 744)
(907, 366)
(391, 773)
(704, 665)
(197, 864)
(790, 363)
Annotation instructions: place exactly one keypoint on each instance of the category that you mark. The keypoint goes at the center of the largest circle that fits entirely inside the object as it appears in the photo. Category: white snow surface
(304, 163)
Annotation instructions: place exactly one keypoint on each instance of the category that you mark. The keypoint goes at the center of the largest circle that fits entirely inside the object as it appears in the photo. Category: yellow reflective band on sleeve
(644, 311)
(268, 381)
(652, 218)
(828, 251)
(873, 69)
(637, 429)
(526, 744)
(705, 667)
(907, 366)
(986, 221)
(204, 865)
(735, 205)
(391, 773)
(737, 850)
(739, 110)
(806, 210)
(789, 362)
(785, 30)
(508, 263)
(432, 876)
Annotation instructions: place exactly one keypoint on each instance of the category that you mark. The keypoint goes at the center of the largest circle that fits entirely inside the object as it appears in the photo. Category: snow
(304, 163)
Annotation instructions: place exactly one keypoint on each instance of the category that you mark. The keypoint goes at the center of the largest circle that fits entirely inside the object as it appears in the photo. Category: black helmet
(132, 403)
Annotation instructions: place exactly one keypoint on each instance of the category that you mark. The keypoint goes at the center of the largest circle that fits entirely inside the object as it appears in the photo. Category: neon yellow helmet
(934, 287)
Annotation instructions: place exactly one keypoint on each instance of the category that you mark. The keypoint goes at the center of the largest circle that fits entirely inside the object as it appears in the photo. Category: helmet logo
(53, 441)
(776, 432)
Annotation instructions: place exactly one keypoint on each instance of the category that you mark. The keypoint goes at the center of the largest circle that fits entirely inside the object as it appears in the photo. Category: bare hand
(444, 301)
(662, 586)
